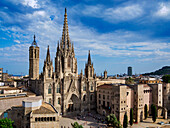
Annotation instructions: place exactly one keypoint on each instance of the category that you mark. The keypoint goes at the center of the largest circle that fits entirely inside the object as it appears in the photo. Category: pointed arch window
(58, 89)
(84, 98)
(49, 100)
(84, 87)
(58, 100)
(91, 72)
(49, 73)
(49, 89)
(91, 87)
(68, 62)
(35, 53)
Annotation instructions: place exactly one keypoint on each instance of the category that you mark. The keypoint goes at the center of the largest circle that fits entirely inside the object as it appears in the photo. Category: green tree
(154, 112)
(6, 123)
(131, 116)
(146, 111)
(125, 121)
(76, 125)
(166, 78)
(111, 120)
(129, 81)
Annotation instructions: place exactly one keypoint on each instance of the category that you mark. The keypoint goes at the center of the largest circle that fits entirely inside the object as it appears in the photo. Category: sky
(119, 33)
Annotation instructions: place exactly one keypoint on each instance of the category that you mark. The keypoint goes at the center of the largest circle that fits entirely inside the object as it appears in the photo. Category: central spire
(89, 58)
(65, 35)
(48, 55)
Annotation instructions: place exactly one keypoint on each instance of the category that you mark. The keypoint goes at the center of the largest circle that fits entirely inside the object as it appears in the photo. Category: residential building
(120, 98)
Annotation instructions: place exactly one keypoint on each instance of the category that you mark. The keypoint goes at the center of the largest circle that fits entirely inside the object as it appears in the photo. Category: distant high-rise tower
(34, 60)
(129, 71)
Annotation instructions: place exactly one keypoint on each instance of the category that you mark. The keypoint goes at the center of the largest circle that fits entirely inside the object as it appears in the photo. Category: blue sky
(119, 33)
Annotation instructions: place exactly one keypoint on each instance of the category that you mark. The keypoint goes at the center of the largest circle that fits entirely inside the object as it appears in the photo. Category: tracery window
(49, 73)
(68, 62)
(84, 87)
(91, 87)
(58, 100)
(49, 89)
(84, 98)
(50, 101)
(58, 88)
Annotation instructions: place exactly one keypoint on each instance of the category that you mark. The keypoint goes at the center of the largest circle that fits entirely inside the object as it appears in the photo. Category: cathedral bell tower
(34, 60)
(89, 70)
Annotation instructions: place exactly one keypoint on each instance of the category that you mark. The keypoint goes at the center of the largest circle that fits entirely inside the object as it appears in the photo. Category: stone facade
(62, 87)
(33, 113)
(120, 98)
(166, 96)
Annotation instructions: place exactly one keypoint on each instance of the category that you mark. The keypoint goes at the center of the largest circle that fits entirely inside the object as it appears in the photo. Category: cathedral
(62, 87)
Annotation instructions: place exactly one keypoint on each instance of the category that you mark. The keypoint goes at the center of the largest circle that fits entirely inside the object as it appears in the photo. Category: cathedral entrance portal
(73, 104)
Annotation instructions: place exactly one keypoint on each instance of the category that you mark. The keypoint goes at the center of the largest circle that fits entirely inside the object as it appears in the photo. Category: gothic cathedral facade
(62, 87)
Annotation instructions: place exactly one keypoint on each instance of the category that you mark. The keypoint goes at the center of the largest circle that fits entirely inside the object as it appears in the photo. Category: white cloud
(118, 14)
(163, 10)
(17, 41)
(31, 3)
(123, 13)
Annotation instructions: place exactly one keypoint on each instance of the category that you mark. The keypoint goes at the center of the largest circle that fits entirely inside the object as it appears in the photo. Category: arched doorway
(73, 104)
(161, 112)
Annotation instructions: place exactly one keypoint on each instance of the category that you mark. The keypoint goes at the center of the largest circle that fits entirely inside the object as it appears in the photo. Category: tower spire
(58, 48)
(65, 10)
(34, 38)
(65, 35)
(48, 55)
(34, 43)
(73, 47)
(89, 58)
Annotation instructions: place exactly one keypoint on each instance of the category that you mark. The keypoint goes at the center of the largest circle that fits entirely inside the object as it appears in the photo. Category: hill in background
(163, 71)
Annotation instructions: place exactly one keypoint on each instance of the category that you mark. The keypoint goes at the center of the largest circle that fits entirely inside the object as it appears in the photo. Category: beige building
(120, 98)
(33, 113)
(112, 98)
(61, 86)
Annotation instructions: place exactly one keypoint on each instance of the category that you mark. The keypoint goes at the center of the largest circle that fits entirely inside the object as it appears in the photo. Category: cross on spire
(34, 43)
